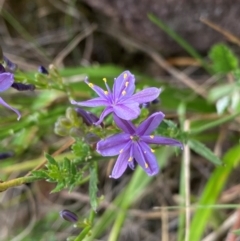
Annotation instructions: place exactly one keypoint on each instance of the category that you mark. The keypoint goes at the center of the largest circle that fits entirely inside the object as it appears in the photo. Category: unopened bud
(69, 216)
(11, 66)
(5, 155)
(2, 69)
(22, 87)
(42, 70)
(88, 117)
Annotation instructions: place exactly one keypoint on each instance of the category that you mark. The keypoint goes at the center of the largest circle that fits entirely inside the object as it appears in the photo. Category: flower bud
(60, 130)
(2, 69)
(87, 117)
(11, 66)
(92, 138)
(69, 216)
(42, 70)
(22, 87)
(72, 116)
(155, 101)
(5, 155)
(64, 122)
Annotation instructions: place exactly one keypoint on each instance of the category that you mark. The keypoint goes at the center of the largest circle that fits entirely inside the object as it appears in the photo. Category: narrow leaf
(204, 151)
(93, 188)
(51, 160)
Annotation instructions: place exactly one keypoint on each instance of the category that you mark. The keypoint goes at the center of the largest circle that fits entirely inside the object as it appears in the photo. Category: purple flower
(133, 144)
(121, 100)
(6, 81)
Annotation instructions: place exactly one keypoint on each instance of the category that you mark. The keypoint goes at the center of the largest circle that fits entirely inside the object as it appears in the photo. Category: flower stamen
(125, 75)
(152, 136)
(146, 165)
(91, 85)
(152, 150)
(121, 151)
(124, 92)
(130, 158)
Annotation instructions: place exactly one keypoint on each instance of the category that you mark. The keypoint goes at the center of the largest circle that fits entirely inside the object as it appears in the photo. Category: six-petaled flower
(133, 144)
(121, 100)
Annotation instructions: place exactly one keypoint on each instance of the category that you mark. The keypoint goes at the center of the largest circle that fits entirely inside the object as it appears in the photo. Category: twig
(186, 155)
(60, 57)
(214, 236)
(159, 60)
(224, 32)
(60, 150)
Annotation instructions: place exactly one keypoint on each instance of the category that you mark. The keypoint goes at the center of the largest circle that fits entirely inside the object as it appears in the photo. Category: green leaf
(93, 188)
(59, 187)
(51, 160)
(211, 192)
(40, 173)
(223, 59)
(202, 150)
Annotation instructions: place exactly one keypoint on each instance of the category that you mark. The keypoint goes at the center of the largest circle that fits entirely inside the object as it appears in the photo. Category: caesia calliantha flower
(6, 81)
(120, 100)
(133, 145)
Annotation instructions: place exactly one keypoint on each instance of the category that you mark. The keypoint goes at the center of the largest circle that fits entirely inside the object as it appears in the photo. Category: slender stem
(83, 234)
(117, 226)
(214, 123)
(17, 182)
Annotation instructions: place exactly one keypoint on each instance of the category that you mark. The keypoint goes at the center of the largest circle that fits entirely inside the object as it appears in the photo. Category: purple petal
(105, 112)
(160, 140)
(146, 95)
(125, 125)
(145, 158)
(91, 103)
(127, 110)
(97, 89)
(150, 124)
(120, 165)
(6, 80)
(131, 160)
(2, 102)
(120, 85)
(113, 144)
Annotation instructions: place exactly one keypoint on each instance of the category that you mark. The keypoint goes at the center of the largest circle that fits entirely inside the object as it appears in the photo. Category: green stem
(17, 182)
(83, 234)
(117, 226)
(214, 123)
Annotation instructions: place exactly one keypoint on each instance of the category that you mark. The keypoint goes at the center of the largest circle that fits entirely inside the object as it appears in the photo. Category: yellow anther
(125, 76)
(131, 137)
(91, 85)
(130, 159)
(152, 136)
(105, 80)
(146, 165)
(126, 84)
(121, 151)
(152, 150)
(106, 92)
(124, 92)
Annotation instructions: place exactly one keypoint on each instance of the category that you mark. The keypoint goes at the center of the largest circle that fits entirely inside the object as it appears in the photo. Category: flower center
(134, 138)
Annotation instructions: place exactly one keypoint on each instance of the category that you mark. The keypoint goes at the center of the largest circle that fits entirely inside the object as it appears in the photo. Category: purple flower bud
(42, 70)
(5, 155)
(22, 87)
(69, 216)
(155, 101)
(145, 105)
(88, 117)
(11, 66)
(2, 69)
